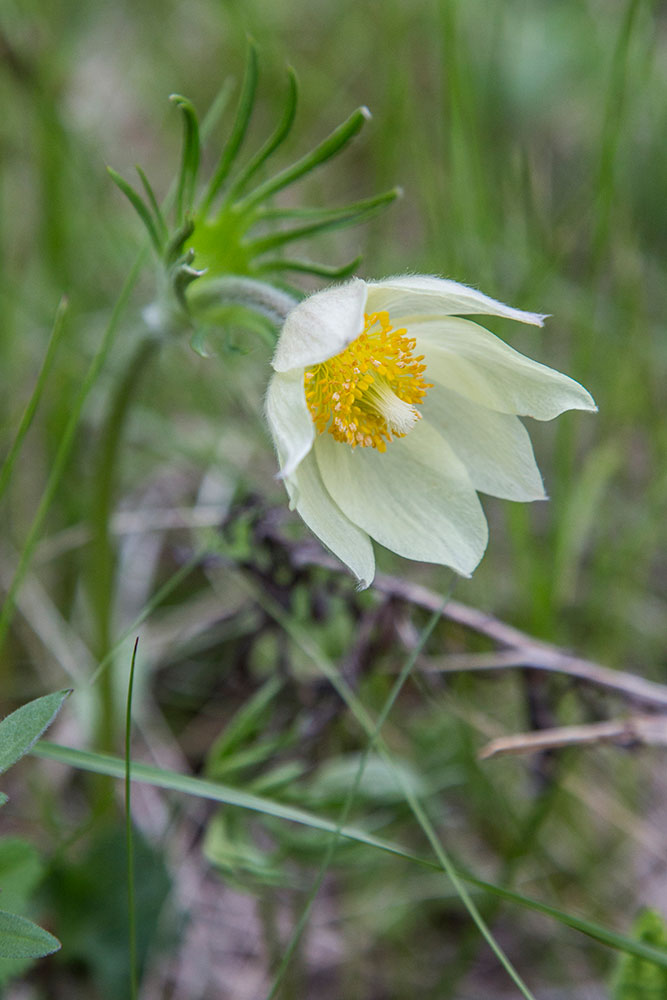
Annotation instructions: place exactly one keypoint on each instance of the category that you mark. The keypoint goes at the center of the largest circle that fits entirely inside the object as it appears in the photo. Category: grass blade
(106, 764)
(131, 902)
(357, 709)
(65, 447)
(349, 799)
(29, 412)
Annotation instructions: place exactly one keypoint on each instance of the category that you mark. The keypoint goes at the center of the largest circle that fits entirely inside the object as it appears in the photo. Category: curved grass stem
(101, 581)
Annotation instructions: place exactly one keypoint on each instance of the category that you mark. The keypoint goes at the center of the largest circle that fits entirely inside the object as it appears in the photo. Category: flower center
(367, 394)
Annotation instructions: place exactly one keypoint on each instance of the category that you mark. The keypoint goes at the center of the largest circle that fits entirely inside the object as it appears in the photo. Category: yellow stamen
(367, 394)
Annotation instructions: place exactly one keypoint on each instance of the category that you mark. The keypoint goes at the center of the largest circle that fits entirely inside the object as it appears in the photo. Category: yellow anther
(367, 394)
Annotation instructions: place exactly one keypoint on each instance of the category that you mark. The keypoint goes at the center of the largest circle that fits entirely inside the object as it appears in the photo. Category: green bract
(378, 465)
(230, 224)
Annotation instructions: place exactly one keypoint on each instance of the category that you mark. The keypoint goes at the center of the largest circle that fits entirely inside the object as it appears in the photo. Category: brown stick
(649, 730)
(522, 649)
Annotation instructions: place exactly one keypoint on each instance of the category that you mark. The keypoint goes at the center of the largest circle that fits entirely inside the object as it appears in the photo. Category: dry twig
(647, 730)
(522, 650)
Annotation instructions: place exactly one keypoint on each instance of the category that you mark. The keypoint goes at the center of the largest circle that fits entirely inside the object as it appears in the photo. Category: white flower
(388, 413)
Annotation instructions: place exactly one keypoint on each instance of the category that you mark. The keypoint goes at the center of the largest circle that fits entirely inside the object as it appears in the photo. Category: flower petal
(410, 297)
(415, 498)
(289, 420)
(494, 447)
(473, 362)
(321, 326)
(322, 515)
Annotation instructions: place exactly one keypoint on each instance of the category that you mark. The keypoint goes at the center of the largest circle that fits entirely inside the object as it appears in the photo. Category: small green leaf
(88, 890)
(272, 143)
(333, 273)
(20, 938)
(187, 179)
(239, 128)
(320, 221)
(139, 206)
(21, 730)
(198, 341)
(245, 723)
(637, 979)
(325, 215)
(174, 248)
(217, 109)
(330, 146)
(3, 798)
(21, 871)
(152, 201)
(379, 784)
(228, 846)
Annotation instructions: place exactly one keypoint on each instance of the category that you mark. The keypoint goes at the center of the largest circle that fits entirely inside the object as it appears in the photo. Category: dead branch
(522, 650)
(646, 730)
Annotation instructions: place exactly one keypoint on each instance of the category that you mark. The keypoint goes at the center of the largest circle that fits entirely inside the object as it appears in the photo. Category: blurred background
(528, 138)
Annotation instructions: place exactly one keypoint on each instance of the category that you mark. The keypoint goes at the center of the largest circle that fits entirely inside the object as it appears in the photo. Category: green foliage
(90, 897)
(529, 140)
(21, 730)
(21, 941)
(637, 979)
(235, 237)
(20, 872)
(268, 807)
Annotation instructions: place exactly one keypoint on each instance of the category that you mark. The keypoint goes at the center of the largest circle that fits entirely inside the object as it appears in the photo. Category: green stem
(31, 408)
(131, 896)
(102, 557)
(351, 796)
(64, 451)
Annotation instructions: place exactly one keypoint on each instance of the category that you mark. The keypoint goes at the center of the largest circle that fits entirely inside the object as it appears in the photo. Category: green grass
(528, 140)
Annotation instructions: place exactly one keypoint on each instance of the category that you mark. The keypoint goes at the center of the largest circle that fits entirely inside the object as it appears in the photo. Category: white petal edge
(422, 295)
(467, 358)
(346, 540)
(321, 326)
(289, 420)
(416, 498)
(494, 447)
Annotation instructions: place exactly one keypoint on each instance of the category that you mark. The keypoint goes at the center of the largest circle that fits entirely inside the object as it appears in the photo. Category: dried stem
(522, 650)
(648, 730)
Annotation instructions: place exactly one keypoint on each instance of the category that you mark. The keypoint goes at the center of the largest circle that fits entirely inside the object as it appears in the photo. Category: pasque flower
(389, 412)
